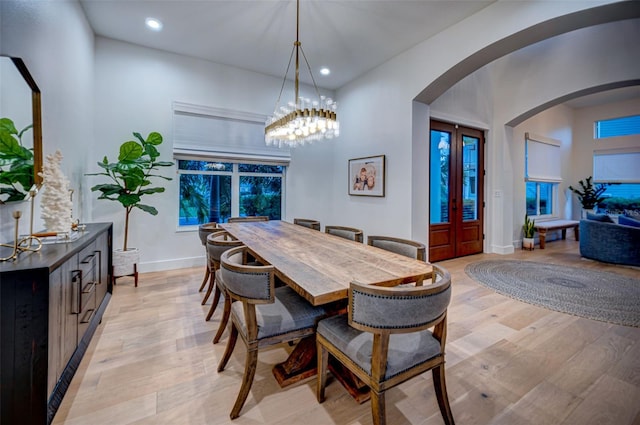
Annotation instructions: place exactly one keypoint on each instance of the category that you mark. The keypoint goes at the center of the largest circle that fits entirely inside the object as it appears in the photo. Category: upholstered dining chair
(345, 232)
(263, 315)
(217, 243)
(406, 247)
(203, 231)
(248, 218)
(385, 339)
(307, 222)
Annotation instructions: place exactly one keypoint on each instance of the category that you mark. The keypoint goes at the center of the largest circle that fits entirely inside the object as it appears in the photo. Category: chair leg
(250, 364)
(207, 272)
(225, 319)
(440, 386)
(323, 360)
(214, 303)
(378, 408)
(212, 281)
(231, 344)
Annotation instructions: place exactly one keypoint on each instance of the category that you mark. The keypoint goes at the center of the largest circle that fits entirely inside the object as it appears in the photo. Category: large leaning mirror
(20, 131)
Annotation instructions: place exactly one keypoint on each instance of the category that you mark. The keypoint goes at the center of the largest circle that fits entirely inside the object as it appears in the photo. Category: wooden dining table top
(319, 266)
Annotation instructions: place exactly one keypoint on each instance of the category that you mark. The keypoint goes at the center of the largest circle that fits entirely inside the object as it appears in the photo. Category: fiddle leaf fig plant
(16, 163)
(131, 176)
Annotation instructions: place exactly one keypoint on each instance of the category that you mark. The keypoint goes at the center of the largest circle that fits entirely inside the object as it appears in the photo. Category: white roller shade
(543, 162)
(204, 131)
(616, 167)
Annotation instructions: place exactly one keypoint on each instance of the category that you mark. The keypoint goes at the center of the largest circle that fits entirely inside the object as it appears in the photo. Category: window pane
(204, 198)
(532, 198)
(546, 198)
(259, 168)
(469, 178)
(624, 126)
(620, 199)
(261, 196)
(439, 177)
(204, 165)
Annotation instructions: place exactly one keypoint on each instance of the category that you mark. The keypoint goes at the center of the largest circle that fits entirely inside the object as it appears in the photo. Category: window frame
(554, 199)
(235, 174)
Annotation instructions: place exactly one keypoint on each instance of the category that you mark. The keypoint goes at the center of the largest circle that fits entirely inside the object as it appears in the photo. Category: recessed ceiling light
(153, 24)
(325, 71)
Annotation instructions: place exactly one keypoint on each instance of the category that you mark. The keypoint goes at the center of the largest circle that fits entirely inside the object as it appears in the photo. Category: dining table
(320, 268)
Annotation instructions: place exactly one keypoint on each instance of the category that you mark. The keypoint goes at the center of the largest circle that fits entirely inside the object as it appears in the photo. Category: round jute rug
(593, 294)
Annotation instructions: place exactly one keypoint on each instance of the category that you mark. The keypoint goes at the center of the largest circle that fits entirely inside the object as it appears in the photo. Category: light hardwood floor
(152, 362)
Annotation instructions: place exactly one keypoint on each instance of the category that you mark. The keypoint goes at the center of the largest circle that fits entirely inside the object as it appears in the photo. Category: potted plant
(130, 179)
(528, 230)
(16, 163)
(589, 195)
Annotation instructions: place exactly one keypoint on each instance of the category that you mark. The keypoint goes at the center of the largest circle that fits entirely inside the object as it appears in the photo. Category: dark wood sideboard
(51, 302)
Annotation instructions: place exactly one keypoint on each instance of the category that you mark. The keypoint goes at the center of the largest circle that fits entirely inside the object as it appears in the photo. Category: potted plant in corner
(528, 230)
(130, 179)
(589, 195)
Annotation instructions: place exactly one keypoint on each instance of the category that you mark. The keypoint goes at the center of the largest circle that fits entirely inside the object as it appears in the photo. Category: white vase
(528, 243)
(585, 212)
(124, 261)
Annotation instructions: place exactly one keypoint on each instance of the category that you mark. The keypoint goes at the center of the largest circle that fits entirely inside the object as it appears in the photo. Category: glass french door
(456, 191)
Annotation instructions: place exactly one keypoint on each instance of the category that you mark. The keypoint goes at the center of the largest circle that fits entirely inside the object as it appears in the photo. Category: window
(216, 190)
(623, 126)
(619, 169)
(540, 198)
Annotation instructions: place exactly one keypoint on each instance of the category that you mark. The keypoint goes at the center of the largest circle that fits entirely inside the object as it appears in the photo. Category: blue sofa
(610, 242)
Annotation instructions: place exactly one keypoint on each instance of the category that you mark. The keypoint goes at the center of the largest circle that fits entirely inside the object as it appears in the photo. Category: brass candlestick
(28, 243)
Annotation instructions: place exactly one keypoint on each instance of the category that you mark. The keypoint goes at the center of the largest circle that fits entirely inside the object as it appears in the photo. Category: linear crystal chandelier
(302, 120)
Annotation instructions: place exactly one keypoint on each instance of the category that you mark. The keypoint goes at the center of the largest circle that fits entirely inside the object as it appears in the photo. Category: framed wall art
(366, 176)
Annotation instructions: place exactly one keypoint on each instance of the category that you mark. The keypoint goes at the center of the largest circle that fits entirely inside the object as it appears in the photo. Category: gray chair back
(345, 232)
(254, 284)
(205, 230)
(405, 247)
(218, 243)
(248, 218)
(400, 309)
(307, 222)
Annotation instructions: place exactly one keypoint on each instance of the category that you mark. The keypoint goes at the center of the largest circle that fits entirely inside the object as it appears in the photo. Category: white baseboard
(178, 263)
(503, 250)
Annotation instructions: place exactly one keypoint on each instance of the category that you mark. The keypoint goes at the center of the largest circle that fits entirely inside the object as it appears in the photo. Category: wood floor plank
(508, 362)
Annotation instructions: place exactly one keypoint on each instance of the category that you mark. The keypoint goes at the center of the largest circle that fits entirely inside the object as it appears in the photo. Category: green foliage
(588, 194)
(528, 228)
(131, 176)
(16, 163)
(617, 205)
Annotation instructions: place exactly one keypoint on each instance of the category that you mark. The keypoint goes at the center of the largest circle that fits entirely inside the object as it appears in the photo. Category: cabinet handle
(99, 254)
(88, 258)
(87, 316)
(76, 281)
(89, 287)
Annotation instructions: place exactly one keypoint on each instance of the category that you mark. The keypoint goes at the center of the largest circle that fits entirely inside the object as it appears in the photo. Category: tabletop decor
(56, 200)
(593, 294)
(367, 175)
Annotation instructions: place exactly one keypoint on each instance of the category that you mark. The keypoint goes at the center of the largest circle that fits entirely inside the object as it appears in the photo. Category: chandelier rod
(297, 44)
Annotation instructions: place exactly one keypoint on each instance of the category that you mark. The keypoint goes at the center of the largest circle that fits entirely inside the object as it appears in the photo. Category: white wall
(56, 43)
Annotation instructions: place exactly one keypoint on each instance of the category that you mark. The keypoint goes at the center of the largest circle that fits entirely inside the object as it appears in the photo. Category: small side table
(563, 225)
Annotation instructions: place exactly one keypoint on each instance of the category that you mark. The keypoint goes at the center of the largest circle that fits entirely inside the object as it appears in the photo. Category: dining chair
(263, 315)
(345, 232)
(307, 222)
(384, 350)
(217, 243)
(248, 218)
(405, 247)
(203, 231)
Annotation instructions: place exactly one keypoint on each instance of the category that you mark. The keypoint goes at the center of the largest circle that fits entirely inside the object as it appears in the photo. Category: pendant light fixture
(301, 120)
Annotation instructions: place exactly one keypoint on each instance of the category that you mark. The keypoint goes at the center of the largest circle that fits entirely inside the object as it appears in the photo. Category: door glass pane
(439, 176)
(470, 178)
(204, 198)
(261, 196)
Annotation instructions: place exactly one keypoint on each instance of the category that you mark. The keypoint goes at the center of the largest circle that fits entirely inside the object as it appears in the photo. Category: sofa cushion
(599, 217)
(628, 221)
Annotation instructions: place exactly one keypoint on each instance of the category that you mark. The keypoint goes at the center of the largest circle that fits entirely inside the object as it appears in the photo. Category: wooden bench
(563, 225)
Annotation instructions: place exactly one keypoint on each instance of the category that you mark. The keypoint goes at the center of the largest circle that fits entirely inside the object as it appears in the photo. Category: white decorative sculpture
(56, 201)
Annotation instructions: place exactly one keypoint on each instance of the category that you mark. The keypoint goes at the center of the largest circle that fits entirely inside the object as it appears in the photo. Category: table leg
(543, 234)
(576, 231)
(564, 234)
(300, 364)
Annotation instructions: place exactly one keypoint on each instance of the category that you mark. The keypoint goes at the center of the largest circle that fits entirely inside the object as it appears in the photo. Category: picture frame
(367, 176)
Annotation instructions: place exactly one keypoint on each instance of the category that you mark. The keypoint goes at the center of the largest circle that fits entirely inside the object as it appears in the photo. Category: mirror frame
(37, 117)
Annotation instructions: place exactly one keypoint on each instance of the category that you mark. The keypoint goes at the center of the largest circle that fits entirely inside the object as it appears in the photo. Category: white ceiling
(348, 36)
